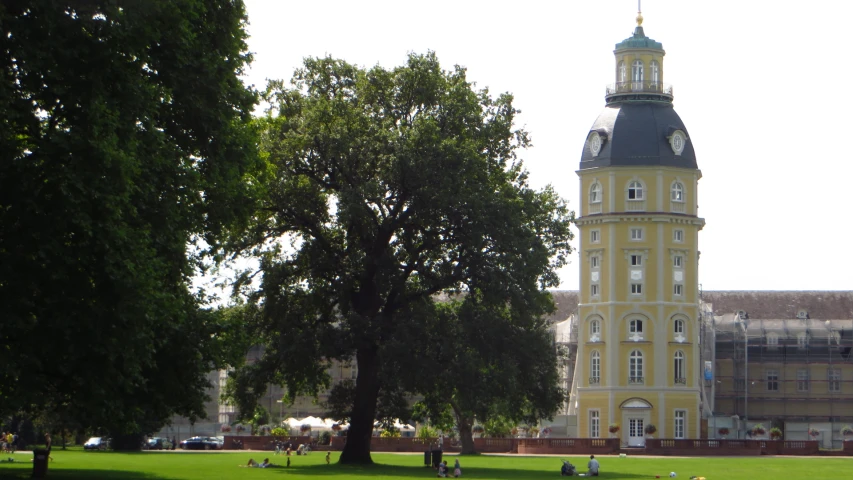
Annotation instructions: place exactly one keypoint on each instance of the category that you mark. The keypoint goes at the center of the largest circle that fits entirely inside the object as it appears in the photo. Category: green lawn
(75, 464)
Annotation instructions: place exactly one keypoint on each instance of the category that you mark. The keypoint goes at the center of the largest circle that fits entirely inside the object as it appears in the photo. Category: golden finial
(639, 13)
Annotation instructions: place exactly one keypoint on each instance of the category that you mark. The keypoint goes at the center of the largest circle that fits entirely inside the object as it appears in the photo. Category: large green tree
(124, 146)
(386, 188)
(497, 361)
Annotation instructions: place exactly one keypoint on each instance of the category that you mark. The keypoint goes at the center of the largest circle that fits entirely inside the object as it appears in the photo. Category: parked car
(97, 443)
(157, 443)
(200, 443)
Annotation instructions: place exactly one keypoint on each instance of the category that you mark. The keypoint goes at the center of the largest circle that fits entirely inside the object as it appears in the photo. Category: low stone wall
(567, 446)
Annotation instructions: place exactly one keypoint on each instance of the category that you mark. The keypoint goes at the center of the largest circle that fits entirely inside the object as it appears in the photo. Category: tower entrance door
(635, 432)
(636, 414)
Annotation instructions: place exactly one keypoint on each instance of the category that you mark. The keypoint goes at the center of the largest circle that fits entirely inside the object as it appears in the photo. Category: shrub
(613, 428)
(390, 433)
(723, 431)
(279, 432)
(775, 433)
(325, 438)
(427, 432)
(650, 429)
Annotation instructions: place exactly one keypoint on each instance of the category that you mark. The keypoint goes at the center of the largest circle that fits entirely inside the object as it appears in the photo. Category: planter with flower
(305, 428)
(546, 432)
(758, 430)
(814, 433)
(337, 427)
(225, 429)
(650, 430)
(264, 430)
(723, 432)
(613, 429)
(775, 433)
(847, 431)
(478, 430)
(239, 428)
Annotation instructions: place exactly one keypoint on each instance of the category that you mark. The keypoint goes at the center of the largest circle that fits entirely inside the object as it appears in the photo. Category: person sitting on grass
(592, 466)
(442, 469)
(457, 469)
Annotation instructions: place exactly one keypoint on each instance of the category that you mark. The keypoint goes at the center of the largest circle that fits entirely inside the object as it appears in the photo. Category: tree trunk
(357, 448)
(465, 434)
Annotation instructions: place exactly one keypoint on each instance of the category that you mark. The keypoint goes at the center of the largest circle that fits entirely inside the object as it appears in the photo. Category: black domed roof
(636, 134)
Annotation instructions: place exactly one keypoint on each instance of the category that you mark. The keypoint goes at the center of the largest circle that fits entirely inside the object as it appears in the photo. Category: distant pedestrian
(174, 442)
(328, 457)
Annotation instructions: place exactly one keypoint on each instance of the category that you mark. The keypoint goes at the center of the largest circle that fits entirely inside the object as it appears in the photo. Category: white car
(97, 443)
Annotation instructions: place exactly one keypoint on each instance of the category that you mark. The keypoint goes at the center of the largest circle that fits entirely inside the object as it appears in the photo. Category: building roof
(566, 302)
(639, 40)
(825, 305)
(637, 134)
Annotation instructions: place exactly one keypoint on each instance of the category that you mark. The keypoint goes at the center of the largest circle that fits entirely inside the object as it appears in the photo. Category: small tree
(775, 433)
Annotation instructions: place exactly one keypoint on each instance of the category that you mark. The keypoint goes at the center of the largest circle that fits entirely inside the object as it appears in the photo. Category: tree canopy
(124, 144)
(384, 189)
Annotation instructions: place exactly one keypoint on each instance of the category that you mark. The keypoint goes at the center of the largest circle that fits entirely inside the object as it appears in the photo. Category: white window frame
(678, 261)
(678, 235)
(772, 341)
(594, 423)
(594, 290)
(677, 192)
(595, 327)
(595, 236)
(635, 325)
(636, 188)
(833, 380)
(637, 234)
(803, 380)
(772, 378)
(654, 69)
(679, 366)
(678, 290)
(680, 424)
(635, 367)
(637, 72)
(595, 193)
(636, 260)
(678, 326)
(595, 367)
(594, 261)
(637, 288)
(802, 340)
(623, 72)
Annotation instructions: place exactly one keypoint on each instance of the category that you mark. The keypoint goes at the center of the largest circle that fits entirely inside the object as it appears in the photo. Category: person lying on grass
(265, 464)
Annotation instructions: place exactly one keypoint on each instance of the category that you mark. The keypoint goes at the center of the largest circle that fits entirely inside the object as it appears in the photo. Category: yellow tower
(638, 350)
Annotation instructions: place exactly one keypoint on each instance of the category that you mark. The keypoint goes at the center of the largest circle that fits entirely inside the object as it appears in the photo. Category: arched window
(678, 368)
(595, 193)
(635, 190)
(637, 75)
(677, 192)
(678, 327)
(654, 68)
(595, 327)
(595, 367)
(635, 367)
(623, 73)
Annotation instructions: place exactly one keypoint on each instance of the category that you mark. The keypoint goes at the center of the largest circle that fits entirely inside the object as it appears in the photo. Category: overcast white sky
(762, 86)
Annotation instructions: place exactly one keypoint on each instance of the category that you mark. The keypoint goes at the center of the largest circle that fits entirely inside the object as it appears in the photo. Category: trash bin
(40, 457)
(436, 458)
(427, 455)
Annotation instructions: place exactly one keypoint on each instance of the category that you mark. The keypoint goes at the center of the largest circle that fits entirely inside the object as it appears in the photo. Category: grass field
(76, 464)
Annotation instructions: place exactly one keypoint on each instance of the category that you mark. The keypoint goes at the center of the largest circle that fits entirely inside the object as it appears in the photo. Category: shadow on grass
(61, 474)
(396, 471)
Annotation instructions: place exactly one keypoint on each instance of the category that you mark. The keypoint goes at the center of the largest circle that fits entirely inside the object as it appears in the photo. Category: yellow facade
(638, 351)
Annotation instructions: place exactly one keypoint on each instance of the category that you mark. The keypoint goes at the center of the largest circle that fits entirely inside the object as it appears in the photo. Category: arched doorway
(636, 414)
